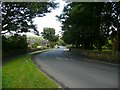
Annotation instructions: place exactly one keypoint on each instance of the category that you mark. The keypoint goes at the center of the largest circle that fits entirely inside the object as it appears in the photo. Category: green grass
(0, 78)
(104, 50)
(21, 72)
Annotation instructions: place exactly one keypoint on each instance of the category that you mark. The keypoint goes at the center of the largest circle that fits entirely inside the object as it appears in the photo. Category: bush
(35, 45)
(52, 44)
(11, 44)
(109, 46)
(104, 47)
(14, 42)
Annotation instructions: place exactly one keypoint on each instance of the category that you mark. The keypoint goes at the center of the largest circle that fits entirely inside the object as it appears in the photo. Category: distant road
(76, 72)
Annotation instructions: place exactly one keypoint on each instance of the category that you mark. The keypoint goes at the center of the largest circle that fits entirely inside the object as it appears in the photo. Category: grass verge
(20, 72)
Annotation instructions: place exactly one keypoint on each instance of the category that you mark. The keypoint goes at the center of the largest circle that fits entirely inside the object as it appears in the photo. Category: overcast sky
(50, 19)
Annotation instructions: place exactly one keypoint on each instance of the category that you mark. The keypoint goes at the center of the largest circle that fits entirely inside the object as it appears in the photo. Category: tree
(111, 23)
(117, 24)
(89, 24)
(17, 16)
(79, 23)
(49, 34)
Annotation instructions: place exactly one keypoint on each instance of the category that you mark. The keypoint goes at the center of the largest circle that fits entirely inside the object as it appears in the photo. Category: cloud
(50, 19)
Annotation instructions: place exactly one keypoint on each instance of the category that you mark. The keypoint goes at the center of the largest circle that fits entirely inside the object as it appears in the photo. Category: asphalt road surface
(77, 72)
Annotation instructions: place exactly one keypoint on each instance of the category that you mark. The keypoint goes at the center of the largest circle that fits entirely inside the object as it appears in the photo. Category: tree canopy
(17, 16)
(49, 34)
(90, 24)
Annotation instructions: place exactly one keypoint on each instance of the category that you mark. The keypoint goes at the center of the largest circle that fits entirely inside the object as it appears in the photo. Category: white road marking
(67, 59)
(59, 58)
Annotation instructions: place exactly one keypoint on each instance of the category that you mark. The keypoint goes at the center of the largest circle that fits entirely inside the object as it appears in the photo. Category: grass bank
(20, 72)
(103, 56)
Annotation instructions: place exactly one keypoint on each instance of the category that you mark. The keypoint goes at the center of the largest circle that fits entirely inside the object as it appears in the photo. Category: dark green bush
(12, 45)
(14, 42)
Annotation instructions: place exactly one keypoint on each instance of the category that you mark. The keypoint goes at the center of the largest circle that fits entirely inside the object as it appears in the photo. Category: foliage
(17, 16)
(109, 45)
(14, 42)
(52, 44)
(13, 45)
(36, 39)
(60, 42)
(49, 34)
(35, 45)
(89, 24)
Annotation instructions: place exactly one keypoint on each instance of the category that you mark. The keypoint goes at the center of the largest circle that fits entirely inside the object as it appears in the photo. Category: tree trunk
(118, 28)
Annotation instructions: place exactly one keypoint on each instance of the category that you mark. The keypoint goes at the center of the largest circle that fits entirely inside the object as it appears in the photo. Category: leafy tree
(117, 24)
(17, 16)
(80, 21)
(89, 24)
(111, 23)
(49, 34)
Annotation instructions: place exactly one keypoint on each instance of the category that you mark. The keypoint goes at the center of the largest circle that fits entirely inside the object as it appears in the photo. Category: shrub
(13, 44)
(35, 45)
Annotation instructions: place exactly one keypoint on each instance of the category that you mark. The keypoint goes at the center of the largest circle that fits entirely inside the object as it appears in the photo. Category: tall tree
(49, 34)
(80, 20)
(89, 23)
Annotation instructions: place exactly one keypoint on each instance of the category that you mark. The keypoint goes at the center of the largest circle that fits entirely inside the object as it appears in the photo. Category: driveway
(77, 72)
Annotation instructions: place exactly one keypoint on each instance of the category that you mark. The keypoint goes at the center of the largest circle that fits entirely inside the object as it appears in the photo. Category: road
(77, 72)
